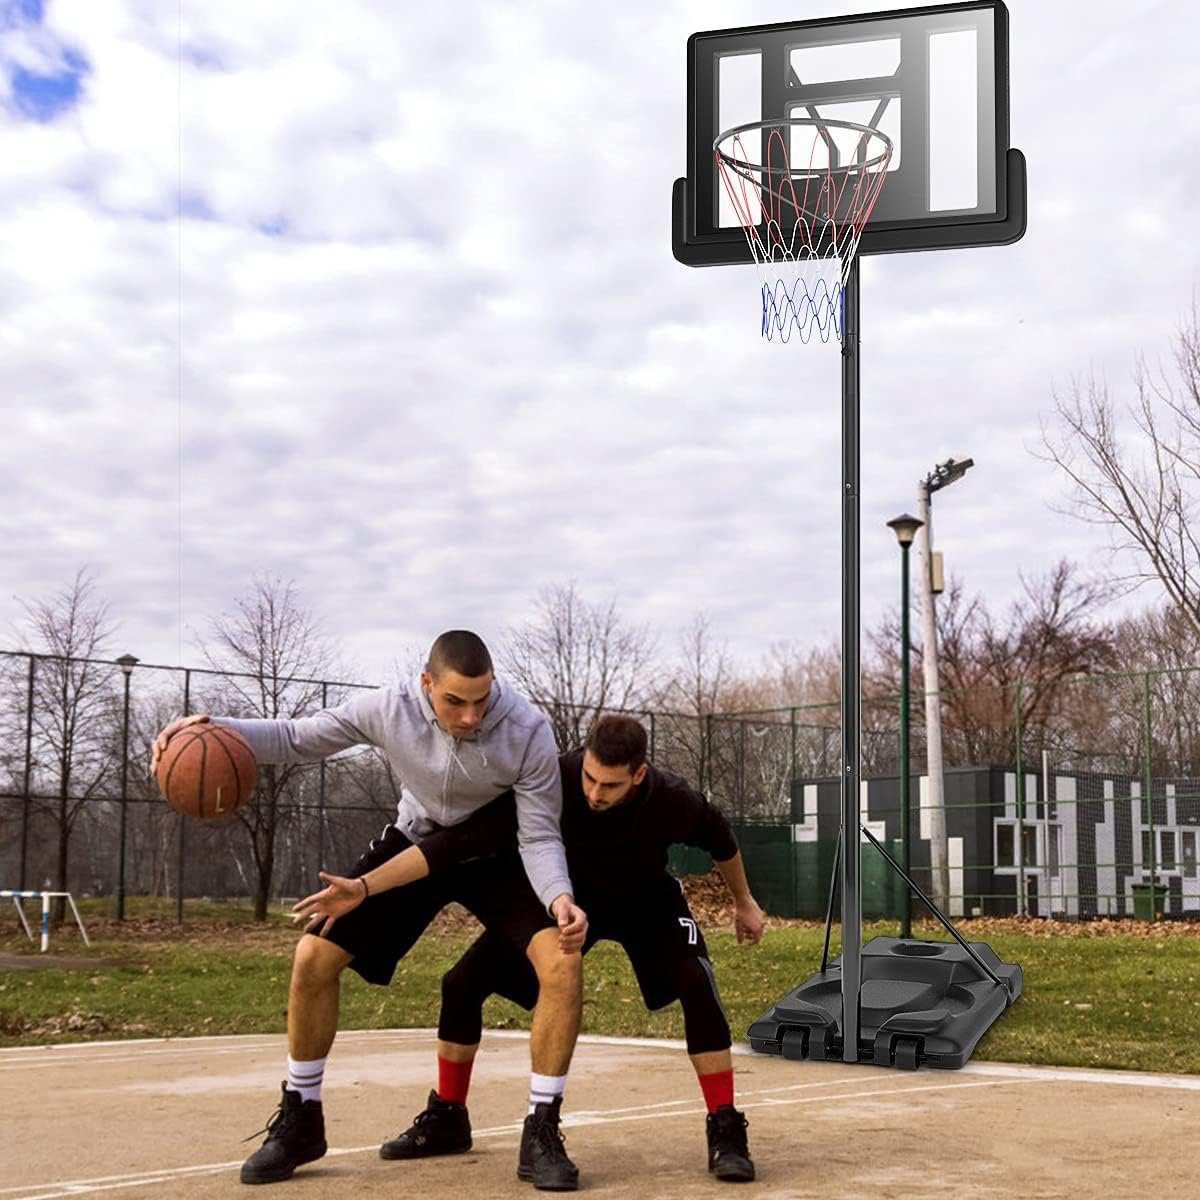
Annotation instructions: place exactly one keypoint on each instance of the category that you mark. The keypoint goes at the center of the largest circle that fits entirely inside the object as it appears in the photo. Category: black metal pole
(833, 879)
(124, 805)
(28, 777)
(851, 710)
(937, 912)
(321, 795)
(905, 842)
(180, 818)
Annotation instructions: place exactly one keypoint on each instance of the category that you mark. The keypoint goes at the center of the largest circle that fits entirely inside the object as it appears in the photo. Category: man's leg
(298, 1135)
(559, 1006)
(313, 994)
(489, 966)
(668, 954)
(707, 1031)
(372, 939)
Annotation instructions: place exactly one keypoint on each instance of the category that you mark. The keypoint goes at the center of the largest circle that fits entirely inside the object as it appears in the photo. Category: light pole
(905, 528)
(126, 662)
(941, 476)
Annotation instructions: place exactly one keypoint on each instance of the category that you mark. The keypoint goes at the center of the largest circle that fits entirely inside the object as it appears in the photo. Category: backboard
(933, 80)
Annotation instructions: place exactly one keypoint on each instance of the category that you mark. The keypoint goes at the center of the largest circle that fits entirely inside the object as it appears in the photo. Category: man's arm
(538, 792)
(748, 918)
(360, 721)
(302, 739)
(703, 825)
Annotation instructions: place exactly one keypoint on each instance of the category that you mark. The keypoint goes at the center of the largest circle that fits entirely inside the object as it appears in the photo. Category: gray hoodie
(443, 779)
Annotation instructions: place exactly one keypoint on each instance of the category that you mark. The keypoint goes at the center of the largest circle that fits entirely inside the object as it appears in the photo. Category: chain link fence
(1072, 800)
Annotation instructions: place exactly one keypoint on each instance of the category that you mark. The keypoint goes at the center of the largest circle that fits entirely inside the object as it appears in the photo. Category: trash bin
(1142, 902)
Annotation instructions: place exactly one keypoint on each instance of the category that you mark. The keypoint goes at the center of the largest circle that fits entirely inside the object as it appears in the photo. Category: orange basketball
(206, 771)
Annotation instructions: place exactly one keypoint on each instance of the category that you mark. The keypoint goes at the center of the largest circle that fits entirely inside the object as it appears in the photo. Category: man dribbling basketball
(457, 739)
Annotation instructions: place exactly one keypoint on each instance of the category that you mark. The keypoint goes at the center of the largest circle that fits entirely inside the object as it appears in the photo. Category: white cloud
(427, 348)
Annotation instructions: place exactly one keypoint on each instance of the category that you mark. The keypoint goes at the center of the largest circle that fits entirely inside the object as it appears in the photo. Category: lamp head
(945, 473)
(905, 528)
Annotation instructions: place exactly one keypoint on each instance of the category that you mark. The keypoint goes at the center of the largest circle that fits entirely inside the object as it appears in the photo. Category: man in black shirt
(620, 815)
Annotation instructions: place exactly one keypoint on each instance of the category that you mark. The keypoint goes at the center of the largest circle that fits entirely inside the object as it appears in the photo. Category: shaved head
(462, 652)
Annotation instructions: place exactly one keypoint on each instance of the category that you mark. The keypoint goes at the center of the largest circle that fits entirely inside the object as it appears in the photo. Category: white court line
(105, 1183)
(250, 1042)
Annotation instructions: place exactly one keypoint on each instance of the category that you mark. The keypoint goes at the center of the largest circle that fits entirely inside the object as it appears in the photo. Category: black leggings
(490, 967)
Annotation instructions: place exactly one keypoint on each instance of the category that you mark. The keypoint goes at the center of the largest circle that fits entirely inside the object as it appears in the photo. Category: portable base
(921, 1003)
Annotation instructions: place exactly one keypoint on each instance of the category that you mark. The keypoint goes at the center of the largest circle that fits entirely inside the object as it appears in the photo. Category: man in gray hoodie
(457, 739)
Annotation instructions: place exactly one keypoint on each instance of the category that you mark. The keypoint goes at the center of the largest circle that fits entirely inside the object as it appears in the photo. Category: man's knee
(557, 973)
(317, 963)
(705, 1024)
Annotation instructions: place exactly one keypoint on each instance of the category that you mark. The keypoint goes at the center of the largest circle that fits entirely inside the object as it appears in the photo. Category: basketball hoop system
(803, 211)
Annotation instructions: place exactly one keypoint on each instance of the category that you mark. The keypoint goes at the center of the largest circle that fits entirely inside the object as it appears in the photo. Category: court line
(104, 1183)
(249, 1042)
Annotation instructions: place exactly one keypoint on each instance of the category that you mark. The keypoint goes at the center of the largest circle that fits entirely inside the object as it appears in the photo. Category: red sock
(453, 1079)
(717, 1089)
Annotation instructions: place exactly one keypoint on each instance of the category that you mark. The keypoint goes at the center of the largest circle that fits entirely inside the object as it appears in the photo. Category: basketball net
(803, 222)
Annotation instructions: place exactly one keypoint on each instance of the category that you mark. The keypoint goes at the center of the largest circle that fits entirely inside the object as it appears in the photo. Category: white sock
(544, 1088)
(305, 1077)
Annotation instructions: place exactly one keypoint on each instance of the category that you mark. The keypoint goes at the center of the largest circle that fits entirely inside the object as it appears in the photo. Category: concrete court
(165, 1118)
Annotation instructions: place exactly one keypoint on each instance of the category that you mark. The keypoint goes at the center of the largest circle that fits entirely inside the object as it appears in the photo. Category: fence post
(792, 815)
(1019, 847)
(127, 663)
(1147, 784)
(707, 754)
(740, 775)
(28, 776)
(321, 795)
(187, 712)
(653, 735)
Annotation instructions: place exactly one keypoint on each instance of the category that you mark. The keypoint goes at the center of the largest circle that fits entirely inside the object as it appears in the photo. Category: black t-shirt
(611, 854)
(623, 848)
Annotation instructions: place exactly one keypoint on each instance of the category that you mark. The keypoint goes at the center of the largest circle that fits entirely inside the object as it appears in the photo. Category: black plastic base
(921, 1003)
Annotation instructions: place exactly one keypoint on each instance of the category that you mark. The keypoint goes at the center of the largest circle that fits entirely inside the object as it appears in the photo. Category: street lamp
(905, 528)
(942, 475)
(126, 662)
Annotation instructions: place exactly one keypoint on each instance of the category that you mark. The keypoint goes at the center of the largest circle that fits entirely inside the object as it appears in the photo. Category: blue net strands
(801, 307)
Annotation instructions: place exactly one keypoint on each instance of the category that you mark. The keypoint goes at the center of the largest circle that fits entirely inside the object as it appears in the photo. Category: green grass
(1124, 1000)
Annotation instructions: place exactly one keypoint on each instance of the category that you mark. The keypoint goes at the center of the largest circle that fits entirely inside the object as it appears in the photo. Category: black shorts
(382, 930)
(654, 926)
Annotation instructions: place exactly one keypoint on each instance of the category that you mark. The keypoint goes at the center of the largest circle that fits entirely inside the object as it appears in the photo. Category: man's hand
(748, 921)
(338, 897)
(160, 742)
(572, 924)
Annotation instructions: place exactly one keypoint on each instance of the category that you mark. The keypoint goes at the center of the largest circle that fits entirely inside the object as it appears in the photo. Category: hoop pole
(46, 921)
(851, 707)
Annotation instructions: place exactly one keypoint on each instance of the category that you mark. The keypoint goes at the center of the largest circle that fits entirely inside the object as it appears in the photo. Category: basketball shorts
(382, 930)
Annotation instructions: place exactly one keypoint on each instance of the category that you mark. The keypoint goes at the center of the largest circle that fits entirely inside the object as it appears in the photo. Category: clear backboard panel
(933, 80)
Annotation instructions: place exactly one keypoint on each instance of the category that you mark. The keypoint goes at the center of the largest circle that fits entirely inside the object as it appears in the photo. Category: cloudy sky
(380, 298)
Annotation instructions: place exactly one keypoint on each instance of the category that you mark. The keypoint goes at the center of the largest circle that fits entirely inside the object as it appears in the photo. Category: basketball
(206, 771)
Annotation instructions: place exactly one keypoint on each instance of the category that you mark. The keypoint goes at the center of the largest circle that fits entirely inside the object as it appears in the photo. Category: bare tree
(274, 656)
(575, 660)
(1048, 638)
(686, 696)
(1164, 642)
(1146, 489)
(75, 703)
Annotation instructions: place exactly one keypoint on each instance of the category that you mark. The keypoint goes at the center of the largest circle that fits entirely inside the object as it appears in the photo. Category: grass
(1110, 995)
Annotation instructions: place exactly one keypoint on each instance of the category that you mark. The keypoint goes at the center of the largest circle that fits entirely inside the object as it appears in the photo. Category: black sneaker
(544, 1161)
(443, 1128)
(728, 1154)
(295, 1135)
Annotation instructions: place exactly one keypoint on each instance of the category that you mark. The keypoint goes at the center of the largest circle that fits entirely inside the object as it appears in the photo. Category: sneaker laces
(276, 1124)
(729, 1132)
(550, 1135)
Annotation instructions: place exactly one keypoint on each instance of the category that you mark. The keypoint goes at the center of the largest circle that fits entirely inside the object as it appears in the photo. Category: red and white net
(803, 213)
